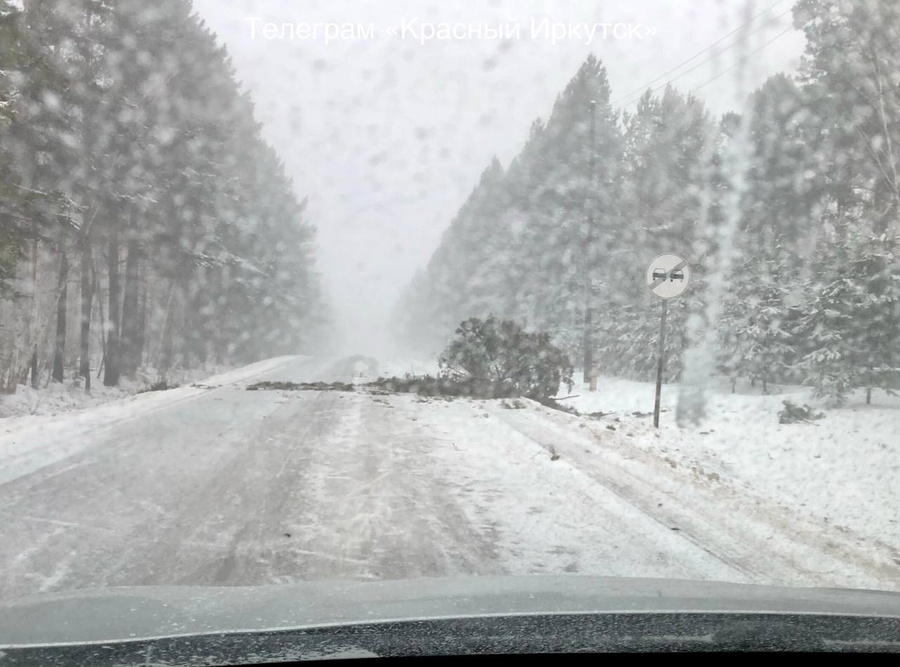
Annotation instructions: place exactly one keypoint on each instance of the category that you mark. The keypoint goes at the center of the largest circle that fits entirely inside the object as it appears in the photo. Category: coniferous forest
(788, 212)
(143, 220)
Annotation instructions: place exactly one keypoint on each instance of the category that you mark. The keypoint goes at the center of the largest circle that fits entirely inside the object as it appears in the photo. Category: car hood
(124, 614)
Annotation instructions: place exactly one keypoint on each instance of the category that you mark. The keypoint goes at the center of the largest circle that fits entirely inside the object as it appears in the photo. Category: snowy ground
(54, 398)
(843, 471)
(215, 485)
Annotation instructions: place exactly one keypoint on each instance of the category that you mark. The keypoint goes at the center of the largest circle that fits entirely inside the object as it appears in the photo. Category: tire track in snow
(766, 551)
(548, 517)
(626, 495)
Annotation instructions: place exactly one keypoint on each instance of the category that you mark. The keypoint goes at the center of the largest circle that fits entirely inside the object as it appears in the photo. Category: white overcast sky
(387, 136)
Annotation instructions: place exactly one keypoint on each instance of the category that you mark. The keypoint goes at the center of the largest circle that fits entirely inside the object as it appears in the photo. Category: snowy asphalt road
(230, 487)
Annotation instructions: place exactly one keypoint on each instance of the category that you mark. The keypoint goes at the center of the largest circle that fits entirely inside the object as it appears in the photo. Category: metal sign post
(661, 362)
(667, 277)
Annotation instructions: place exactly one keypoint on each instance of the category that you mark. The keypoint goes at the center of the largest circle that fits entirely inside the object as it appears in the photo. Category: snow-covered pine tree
(878, 309)
(146, 147)
(853, 54)
(775, 229)
(829, 329)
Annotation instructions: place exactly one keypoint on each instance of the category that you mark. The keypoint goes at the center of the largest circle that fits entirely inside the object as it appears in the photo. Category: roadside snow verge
(32, 442)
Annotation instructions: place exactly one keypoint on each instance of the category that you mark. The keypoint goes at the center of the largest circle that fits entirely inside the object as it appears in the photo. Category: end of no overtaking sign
(668, 276)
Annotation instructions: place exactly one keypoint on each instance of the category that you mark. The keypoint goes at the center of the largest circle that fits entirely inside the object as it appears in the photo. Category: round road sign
(668, 276)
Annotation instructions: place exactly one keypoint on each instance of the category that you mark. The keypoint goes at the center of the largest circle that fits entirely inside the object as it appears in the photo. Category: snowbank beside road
(57, 398)
(844, 470)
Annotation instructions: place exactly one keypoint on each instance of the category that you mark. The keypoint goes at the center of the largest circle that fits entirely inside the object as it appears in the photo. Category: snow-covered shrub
(793, 413)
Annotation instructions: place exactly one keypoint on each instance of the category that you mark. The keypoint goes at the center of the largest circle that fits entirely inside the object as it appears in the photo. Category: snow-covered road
(217, 485)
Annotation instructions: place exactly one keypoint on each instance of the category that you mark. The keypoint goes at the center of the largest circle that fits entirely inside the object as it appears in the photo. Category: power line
(702, 51)
(644, 87)
(706, 60)
(743, 60)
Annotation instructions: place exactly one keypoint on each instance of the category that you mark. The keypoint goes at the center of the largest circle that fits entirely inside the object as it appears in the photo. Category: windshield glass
(319, 292)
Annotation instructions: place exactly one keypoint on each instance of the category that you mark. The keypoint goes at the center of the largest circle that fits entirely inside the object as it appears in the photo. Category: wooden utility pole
(588, 339)
(88, 142)
(33, 323)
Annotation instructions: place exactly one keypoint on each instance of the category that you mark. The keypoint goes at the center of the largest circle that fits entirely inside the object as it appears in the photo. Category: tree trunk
(112, 362)
(62, 303)
(868, 395)
(102, 320)
(167, 351)
(188, 324)
(142, 332)
(87, 297)
(32, 324)
(12, 380)
(733, 384)
(34, 367)
(130, 350)
(165, 346)
(88, 148)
